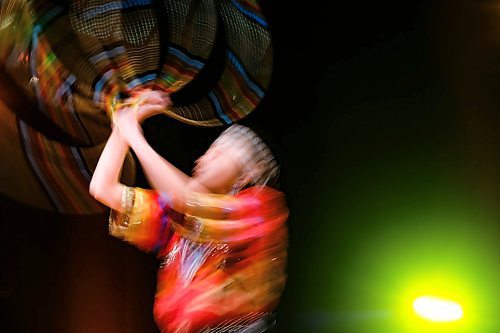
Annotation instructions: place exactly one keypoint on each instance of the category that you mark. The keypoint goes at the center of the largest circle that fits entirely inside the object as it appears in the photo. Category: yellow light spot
(437, 309)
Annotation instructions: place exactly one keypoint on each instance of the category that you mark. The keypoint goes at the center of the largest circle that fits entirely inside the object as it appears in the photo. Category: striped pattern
(83, 57)
(61, 170)
(125, 44)
(45, 173)
(247, 69)
(54, 89)
(192, 27)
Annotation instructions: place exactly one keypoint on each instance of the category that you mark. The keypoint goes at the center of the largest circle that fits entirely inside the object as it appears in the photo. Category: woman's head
(237, 159)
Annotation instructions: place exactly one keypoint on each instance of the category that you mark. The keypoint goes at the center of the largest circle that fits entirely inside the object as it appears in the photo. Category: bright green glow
(438, 302)
(437, 309)
(435, 240)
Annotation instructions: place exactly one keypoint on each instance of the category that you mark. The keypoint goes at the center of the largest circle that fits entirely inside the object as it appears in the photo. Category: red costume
(223, 261)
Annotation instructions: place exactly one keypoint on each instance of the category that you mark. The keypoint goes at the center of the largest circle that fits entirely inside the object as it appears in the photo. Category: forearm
(162, 175)
(105, 185)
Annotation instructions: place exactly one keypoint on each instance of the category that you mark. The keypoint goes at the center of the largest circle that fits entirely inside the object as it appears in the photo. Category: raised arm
(105, 185)
(161, 174)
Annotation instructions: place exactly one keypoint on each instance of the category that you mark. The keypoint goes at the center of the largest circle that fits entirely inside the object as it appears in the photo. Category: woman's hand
(125, 121)
(151, 102)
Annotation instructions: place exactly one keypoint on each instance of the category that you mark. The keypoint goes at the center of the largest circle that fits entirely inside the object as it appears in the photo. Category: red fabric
(236, 267)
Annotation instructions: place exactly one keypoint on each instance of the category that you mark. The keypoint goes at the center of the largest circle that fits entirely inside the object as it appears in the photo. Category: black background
(404, 89)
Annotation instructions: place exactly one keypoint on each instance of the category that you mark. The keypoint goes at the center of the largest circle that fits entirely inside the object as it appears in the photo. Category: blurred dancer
(220, 235)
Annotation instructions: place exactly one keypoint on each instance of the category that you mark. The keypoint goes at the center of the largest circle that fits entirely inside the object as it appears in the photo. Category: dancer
(220, 234)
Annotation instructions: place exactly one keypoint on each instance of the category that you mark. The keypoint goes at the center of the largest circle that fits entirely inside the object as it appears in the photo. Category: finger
(153, 99)
(154, 104)
(149, 112)
(166, 100)
(152, 107)
(156, 95)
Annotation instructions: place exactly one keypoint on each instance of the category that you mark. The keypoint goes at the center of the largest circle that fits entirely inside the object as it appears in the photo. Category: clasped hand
(142, 105)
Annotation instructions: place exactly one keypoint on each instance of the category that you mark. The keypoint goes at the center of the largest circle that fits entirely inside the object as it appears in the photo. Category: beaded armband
(118, 221)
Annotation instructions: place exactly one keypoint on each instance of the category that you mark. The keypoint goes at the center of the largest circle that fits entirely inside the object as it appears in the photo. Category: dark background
(385, 118)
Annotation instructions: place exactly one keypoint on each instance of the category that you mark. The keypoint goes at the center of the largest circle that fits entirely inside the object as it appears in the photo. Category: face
(217, 170)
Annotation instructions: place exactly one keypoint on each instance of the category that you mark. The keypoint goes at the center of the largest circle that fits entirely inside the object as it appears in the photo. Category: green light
(437, 309)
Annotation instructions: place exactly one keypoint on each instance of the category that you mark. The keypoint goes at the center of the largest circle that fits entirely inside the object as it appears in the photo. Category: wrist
(135, 137)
